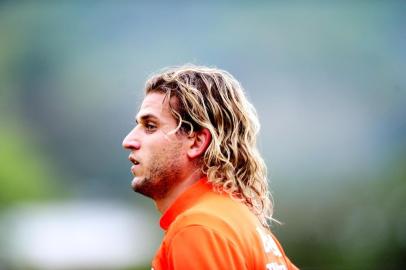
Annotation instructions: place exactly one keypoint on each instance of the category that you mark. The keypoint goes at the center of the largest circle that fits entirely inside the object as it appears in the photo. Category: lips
(133, 160)
(136, 164)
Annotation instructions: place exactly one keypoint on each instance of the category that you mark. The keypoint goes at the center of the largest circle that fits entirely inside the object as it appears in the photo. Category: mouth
(133, 160)
(134, 168)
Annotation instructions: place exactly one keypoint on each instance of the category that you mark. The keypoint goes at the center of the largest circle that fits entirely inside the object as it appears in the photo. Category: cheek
(168, 152)
(162, 149)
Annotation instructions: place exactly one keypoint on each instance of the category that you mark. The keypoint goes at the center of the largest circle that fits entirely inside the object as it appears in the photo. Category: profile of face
(157, 151)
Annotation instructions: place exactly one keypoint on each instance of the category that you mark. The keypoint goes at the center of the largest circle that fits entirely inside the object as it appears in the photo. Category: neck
(164, 203)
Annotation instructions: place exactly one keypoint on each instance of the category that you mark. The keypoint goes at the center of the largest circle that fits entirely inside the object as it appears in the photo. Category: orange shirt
(208, 230)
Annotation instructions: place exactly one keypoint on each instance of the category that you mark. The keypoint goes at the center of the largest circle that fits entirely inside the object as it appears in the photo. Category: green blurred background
(328, 81)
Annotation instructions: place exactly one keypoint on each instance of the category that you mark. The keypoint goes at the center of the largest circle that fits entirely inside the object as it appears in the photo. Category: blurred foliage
(363, 230)
(25, 173)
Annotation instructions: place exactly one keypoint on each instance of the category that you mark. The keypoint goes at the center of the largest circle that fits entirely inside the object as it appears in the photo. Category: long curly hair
(213, 99)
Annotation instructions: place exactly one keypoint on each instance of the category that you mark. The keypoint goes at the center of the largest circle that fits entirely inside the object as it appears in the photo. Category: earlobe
(199, 143)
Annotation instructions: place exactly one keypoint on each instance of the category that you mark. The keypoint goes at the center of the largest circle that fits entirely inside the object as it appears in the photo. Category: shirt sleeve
(199, 247)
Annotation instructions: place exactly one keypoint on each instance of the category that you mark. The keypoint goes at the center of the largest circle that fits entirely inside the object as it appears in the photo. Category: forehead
(155, 104)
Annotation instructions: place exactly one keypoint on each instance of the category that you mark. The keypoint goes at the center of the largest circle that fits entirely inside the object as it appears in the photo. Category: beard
(162, 176)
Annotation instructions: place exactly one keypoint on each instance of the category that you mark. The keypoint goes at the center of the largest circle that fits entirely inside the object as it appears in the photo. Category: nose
(131, 142)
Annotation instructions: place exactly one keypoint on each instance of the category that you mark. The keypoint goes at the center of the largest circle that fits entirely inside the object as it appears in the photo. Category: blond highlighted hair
(213, 99)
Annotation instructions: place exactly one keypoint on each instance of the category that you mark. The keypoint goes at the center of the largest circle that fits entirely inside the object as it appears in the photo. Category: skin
(165, 160)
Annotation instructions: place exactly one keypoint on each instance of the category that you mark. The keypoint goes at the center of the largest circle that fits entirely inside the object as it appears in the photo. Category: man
(194, 153)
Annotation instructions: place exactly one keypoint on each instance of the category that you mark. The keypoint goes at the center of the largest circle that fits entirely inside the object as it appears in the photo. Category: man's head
(207, 108)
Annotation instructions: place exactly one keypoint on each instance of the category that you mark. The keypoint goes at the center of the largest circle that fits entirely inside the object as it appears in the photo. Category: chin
(135, 183)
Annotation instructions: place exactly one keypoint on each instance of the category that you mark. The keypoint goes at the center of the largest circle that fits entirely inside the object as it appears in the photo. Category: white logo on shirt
(269, 244)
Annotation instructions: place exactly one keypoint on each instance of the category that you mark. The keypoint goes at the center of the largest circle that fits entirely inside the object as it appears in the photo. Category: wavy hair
(213, 99)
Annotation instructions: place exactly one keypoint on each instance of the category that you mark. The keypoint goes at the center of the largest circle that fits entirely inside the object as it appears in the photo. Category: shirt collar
(188, 198)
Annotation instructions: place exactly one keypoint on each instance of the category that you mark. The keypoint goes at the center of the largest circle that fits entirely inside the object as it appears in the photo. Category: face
(158, 152)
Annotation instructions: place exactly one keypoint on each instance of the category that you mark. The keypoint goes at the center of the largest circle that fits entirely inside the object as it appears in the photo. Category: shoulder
(202, 221)
(202, 229)
(228, 237)
(217, 213)
(203, 247)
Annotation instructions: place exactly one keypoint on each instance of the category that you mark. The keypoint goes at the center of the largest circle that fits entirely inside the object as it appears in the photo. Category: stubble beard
(164, 174)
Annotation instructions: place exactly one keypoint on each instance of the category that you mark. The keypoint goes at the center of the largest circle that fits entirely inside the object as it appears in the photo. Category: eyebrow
(145, 117)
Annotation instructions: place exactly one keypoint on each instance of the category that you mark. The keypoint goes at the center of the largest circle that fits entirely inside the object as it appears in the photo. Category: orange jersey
(208, 230)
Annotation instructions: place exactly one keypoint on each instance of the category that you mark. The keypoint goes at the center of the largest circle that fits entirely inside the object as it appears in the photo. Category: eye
(150, 127)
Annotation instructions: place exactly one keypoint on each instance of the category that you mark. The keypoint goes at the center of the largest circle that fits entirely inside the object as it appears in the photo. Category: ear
(199, 141)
